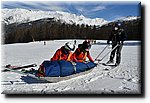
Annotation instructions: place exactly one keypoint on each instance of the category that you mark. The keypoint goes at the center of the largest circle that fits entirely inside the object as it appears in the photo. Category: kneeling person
(82, 52)
(64, 53)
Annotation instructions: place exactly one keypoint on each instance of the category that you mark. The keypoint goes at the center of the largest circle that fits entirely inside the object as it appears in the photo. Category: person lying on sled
(82, 52)
(64, 53)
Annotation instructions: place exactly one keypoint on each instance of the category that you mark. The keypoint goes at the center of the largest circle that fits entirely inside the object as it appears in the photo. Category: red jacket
(62, 54)
(79, 56)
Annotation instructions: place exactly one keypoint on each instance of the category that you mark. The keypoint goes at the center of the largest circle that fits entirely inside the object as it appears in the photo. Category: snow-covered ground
(124, 79)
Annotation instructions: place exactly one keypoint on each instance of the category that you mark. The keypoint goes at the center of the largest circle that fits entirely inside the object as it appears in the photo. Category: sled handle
(109, 52)
(101, 52)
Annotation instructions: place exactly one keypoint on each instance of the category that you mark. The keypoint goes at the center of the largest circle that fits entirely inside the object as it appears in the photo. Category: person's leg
(112, 55)
(118, 55)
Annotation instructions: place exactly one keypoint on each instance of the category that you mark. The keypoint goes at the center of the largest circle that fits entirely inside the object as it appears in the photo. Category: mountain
(18, 15)
(128, 18)
(22, 25)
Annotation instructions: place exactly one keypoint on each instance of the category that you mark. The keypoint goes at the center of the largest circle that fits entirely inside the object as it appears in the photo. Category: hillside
(22, 25)
(10, 16)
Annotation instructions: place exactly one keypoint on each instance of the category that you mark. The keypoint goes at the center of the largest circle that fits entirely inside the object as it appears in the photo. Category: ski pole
(101, 52)
(109, 52)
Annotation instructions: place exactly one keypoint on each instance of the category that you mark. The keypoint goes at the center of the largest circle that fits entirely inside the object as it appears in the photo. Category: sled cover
(63, 68)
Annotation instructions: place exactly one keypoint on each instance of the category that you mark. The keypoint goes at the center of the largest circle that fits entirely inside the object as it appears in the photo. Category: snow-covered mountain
(128, 18)
(19, 15)
(22, 16)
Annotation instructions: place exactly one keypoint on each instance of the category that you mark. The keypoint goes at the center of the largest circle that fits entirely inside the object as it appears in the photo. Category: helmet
(69, 46)
(117, 26)
(86, 45)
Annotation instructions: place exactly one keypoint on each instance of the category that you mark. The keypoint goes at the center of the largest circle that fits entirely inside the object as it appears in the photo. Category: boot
(110, 61)
(116, 64)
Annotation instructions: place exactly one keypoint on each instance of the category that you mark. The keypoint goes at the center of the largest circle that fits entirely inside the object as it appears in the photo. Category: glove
(96, 62)
(108, 42)
(118, 43)
(122, 42)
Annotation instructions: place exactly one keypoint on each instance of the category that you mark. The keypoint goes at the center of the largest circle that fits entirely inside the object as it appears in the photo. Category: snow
(18, 15)
(123, 79)
(129, 18)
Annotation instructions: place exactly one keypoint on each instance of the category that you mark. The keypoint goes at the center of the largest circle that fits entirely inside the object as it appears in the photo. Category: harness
(82, 59)
(68, 58)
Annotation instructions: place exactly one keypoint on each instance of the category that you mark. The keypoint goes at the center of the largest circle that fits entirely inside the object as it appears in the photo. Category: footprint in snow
(124, 88)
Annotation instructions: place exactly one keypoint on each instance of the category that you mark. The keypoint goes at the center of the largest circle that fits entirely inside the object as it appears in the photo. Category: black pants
(118, 53)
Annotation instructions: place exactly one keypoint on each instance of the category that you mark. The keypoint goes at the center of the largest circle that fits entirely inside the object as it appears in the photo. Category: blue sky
(92, 9)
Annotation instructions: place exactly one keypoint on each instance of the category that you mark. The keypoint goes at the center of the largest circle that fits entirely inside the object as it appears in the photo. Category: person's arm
(89, 56)
(110, 37)
(123, 36)
(56, 55)
(73, 57)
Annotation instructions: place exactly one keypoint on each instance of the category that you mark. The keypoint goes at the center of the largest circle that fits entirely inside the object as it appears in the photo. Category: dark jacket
(117, 37)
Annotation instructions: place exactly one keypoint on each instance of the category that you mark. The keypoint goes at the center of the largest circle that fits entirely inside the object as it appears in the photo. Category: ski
(20, 72)
(29, 73)
(8, 67)
(112, 65)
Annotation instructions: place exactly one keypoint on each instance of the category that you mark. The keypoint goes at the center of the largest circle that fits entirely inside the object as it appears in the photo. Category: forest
(49, 29)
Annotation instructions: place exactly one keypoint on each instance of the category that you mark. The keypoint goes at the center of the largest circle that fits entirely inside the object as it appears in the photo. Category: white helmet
(70, 46)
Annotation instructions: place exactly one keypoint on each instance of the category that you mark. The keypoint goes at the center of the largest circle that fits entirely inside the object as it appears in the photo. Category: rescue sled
(55, 71)
(58, 79)
(62, 68)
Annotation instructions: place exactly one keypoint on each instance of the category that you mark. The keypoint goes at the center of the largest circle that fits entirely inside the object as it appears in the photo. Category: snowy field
(123, 79)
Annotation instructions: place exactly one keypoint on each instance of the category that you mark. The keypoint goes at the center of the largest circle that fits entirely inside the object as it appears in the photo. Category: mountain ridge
(19, 15)
(23, 15)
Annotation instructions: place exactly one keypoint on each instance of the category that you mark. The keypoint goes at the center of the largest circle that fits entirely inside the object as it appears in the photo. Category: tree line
(49, 29)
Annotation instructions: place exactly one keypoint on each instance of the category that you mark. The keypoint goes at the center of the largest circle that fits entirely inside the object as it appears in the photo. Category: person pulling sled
(117, 37)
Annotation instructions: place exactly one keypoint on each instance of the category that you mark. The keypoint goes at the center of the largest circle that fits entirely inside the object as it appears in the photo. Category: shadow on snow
(31, 80)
